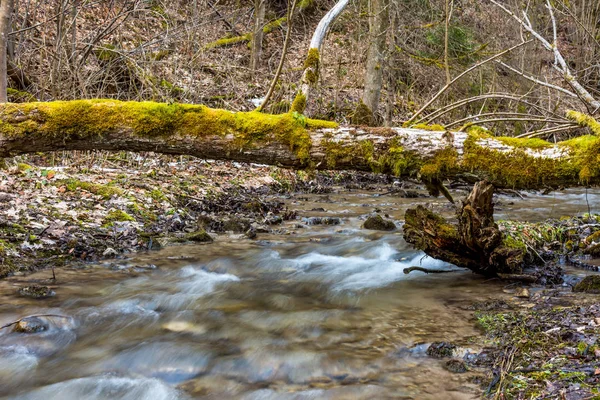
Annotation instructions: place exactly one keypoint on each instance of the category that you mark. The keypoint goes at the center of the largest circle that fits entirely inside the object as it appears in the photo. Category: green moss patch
(106, 191)
(117, 216)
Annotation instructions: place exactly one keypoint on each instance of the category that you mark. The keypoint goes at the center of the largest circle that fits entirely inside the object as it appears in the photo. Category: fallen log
(293, 141)
(476, 242)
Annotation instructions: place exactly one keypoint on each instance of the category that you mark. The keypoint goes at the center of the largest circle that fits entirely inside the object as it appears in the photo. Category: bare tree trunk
(292, 142)
(310, 75)
(448, 11)
(257, 36)
(6, 7)
(378, 27)
(74, 10)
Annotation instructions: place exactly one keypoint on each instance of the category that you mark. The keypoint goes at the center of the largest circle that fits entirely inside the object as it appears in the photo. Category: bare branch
(560, 63)
(477, 65)
(535, 80)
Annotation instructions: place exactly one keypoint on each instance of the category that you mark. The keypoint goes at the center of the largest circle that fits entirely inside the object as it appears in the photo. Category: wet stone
(377, 223)
(441, 350)
(199, 236)
(455, 365)
(322, 221)
(36, 292)
(30, 325)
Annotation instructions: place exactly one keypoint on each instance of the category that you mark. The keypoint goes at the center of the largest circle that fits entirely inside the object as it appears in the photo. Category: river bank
(296, 241)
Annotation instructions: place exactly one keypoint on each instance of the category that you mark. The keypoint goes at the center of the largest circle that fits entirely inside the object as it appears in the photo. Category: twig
(559, 62)
(554, 129)
(429, 271)
(284, 51)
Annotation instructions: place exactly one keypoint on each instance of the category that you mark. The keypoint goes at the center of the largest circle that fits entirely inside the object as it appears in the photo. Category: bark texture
(293, 141)
(6, 7)
(378, 27)
(257, 36)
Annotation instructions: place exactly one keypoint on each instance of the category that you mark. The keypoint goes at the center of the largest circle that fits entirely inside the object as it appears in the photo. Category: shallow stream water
(316, 312)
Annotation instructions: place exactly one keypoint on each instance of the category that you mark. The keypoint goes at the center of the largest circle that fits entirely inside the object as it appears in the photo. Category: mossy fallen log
(294, 141)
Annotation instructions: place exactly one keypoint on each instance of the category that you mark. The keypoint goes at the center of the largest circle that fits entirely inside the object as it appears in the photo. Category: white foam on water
(201, 282)
(105, 387)
(144, 296)
(374, 267)
(15, 361)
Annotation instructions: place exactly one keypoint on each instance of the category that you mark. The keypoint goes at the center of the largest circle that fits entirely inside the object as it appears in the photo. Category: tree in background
(378, 28)
(6, 7)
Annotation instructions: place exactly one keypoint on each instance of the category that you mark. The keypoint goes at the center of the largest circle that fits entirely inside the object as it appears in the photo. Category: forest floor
(544, 345)
(114, 206)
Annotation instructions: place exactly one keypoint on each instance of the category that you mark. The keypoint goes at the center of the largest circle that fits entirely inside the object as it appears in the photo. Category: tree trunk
(295, 142)
(257, 36)
(5, 13)
(378, 27)
(476, 243)
(310, 75)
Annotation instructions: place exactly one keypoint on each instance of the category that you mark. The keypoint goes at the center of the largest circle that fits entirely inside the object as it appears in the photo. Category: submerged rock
(456, 365)
(441, 350)
(589, 284)
(377, 223)
(322, 221)
(31, 325)
(36, 291)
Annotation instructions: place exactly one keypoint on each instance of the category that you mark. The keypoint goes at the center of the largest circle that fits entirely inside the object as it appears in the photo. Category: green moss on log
(247, 37)
(443, 164)
(585, 121)
(299, 103)
(518, 169)
(82, 119)
(311, 66)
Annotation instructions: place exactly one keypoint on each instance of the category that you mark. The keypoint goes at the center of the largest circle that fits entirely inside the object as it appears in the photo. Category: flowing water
(317, 312)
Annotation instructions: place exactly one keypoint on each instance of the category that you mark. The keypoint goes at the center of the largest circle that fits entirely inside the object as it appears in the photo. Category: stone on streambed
(378, 223)
(30, 325)
(321, 220)
(456, 365)
(441, 350)
(589, 284)
(199, 236)
(36, 292)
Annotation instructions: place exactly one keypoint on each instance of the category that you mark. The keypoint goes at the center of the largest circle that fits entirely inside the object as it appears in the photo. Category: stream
(316, 312)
